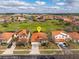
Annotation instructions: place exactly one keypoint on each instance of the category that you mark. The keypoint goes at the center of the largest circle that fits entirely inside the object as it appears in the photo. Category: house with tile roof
(39, 37)
(22, 36)
(6, 36)
(36, 39)
(74, 36)
(59, 36)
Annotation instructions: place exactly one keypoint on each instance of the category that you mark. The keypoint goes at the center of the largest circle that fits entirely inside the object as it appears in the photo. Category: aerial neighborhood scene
(42, 34)
(39, 27)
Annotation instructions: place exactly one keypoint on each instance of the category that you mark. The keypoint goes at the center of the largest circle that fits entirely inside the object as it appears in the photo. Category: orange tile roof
(24, 31)
(56, 32)
(74, 35)
(6, 35)
(36, 36)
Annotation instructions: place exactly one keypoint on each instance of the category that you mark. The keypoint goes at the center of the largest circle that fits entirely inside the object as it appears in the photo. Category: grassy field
(30, 25)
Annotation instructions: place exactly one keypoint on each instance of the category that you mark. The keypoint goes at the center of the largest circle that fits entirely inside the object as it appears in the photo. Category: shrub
(20, 44)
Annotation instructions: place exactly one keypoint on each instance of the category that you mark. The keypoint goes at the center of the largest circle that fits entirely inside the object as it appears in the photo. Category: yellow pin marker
(38, 28)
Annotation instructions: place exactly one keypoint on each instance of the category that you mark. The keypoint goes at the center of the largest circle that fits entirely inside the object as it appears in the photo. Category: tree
(67, 23)
(68, 29)
(5, 23)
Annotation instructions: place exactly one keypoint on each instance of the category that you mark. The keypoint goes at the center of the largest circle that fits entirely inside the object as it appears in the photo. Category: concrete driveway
(9, 51)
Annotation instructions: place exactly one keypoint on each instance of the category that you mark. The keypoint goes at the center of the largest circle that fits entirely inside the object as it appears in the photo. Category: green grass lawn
(46, 26)
(21, 52)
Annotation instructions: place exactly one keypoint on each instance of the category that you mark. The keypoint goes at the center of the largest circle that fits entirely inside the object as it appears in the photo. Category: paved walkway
(35, 48)
(9, 50)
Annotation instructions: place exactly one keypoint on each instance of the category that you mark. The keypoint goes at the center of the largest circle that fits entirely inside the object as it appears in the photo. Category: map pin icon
(38, 28)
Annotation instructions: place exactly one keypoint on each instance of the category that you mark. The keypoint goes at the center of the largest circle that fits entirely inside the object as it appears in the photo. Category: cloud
(13, 3)
(40, 2)
(61, 3)
(75, 3)
(25, 8)
(55, 7)
(41, 6)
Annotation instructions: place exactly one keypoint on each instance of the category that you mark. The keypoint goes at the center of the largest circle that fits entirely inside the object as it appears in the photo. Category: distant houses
(12, 18)
(39, 17)
(22, 19)
(67, 19)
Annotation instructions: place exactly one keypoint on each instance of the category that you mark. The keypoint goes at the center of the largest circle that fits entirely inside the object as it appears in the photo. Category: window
(56, 37)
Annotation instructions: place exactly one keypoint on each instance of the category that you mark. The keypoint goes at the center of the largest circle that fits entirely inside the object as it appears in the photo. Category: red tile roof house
(74, 36)
(6, 37)
(36, 39)
(60, 37)
(39, 37)
(22, 37)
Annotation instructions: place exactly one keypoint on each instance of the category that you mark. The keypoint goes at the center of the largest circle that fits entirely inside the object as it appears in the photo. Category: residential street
(67, 51)
(9, 51)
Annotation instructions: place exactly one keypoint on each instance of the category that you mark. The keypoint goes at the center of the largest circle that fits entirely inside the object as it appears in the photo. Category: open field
(46, 26)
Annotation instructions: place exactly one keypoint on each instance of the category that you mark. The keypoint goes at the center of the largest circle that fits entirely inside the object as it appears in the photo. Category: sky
(39, 6)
